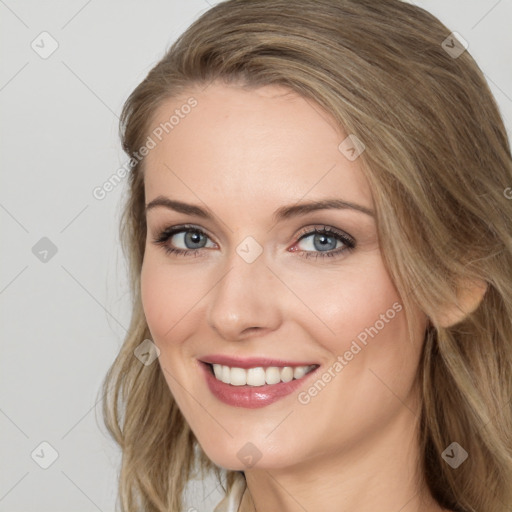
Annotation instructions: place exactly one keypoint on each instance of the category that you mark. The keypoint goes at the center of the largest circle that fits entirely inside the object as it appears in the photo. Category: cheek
(165, 299)
(167, 302)
(351, 304)
(153, 296)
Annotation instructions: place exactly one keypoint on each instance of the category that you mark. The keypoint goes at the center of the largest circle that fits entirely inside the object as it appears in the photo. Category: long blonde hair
(438, 161)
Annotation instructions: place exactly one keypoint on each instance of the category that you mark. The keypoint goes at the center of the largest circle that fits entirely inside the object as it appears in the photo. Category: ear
(469, 297)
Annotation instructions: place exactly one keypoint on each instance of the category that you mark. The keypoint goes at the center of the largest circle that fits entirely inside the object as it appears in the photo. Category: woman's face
(258, 290)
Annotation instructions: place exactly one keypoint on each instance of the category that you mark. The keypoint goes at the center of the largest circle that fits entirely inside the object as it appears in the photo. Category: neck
(381, 473)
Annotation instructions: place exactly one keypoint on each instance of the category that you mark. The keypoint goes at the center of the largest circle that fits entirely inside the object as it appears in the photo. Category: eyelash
(350, 244)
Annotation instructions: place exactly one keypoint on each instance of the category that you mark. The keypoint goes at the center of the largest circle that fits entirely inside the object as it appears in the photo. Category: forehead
(252, 147)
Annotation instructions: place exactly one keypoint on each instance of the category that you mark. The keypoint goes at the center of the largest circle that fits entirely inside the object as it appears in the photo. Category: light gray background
(63, 320)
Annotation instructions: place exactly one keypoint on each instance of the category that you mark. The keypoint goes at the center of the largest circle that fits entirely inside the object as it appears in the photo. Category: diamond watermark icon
(351, 147)
(249, 249)
(454, 45)
(147, 352)
(44, 45)
(44, 250)
(249, 455)
(454, 455)
(44, 455)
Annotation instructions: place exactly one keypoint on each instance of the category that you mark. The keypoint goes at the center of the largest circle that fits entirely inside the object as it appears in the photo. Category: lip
(251, 362)
(251, 397)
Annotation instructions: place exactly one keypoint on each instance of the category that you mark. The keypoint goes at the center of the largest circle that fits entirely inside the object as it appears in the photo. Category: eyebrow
(282, 213)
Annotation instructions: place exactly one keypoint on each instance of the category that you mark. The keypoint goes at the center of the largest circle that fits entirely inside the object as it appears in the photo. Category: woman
(319, 236)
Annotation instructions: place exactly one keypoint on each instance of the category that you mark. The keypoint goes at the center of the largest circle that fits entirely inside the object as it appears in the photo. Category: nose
(246, 300)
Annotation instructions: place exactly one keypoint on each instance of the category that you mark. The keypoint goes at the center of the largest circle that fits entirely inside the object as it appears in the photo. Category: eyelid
(325, 228)
(348, 240)
(176, 228)
(306, 231)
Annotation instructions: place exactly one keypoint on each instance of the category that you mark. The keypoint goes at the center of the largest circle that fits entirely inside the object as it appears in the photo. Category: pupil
(194, 237)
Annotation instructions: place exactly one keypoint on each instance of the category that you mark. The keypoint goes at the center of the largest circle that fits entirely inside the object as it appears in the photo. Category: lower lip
(250, 397)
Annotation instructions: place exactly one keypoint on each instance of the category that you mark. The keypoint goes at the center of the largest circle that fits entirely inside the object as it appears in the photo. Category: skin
(243, 153)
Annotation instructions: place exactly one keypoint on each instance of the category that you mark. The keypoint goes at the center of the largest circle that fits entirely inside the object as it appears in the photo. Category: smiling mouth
(258, 376)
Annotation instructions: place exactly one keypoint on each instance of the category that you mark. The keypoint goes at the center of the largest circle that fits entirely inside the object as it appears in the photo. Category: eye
(327, 241)
(191, 237)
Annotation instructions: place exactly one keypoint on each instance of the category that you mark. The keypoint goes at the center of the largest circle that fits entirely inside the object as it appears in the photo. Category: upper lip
(250, 362)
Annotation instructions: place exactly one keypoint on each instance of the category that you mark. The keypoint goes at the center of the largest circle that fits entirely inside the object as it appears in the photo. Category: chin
(244, 454)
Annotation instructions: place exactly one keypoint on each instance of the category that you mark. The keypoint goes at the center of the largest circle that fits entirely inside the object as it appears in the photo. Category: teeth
(272, 375)
(226, 375)
(255, 376)
(259, 376)
(299, 372)
(287, 374)
(238, 377)
(217, 369)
